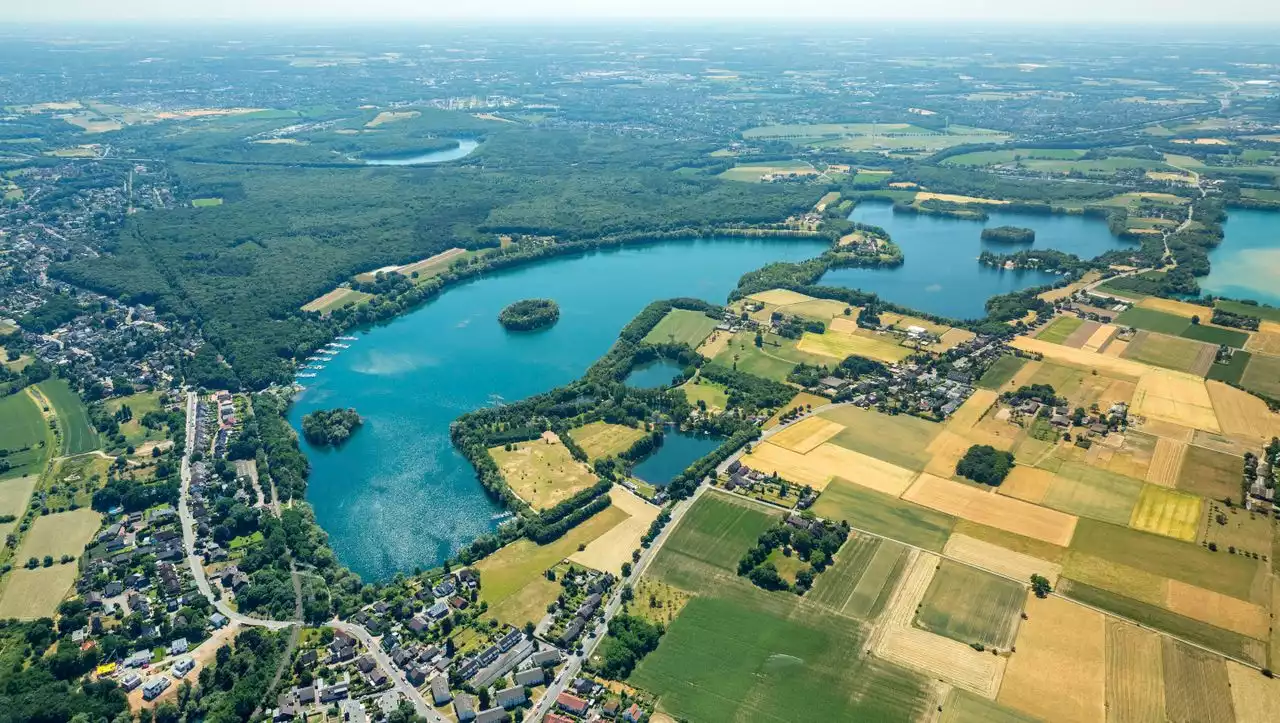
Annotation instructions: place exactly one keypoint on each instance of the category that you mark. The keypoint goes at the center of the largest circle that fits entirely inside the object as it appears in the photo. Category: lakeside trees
(330, 427)
(529, 315)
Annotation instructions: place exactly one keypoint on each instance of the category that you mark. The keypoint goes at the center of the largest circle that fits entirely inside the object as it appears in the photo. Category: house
(365, 663)
(154, 687)
(438, 611)
(417, 624)
(218, 621)
(633, 714)
(337, 691)
(440, 692)
(376, 677)
(179, 646)
(571, 632)
(182, 666)
(493, 715)
(458, 603)
(571, 704)
(464, 706)
(512, 637)
(557, 718)
(130, 681)
(286, 708)
(610, 709)
(444, 589)
(546, 657)
(531, 677)
(307, 695)
(416, 676)
(510, 697)
(583, 686)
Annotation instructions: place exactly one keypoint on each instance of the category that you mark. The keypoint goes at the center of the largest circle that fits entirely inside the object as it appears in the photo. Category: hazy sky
(1250, 12)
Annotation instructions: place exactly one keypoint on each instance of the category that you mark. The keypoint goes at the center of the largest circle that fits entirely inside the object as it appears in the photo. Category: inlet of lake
(398, 495)
(464, 148)
(941, 274)
(1246, 265)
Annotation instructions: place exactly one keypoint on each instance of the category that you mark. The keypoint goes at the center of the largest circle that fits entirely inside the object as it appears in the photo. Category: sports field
(542, 472)
(861, 578)
(1167, 512)
(602, 439)
(1171, 352)
(1059, 329)
(884, 515)
(840, 345)
(78, 436)
(899, 439)
(22, 427)
(1059, 671)
(681, 326)
(971, 606)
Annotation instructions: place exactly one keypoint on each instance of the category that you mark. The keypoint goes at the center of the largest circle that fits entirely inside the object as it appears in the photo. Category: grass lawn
(31, 594)
(512, 579)
(1212, 474)
(1216, 335)
(1059, 329)
(966, 604)
(884, 515)
(22, 427)
(1269, 313)
(682, 326)
(999, 373)
(1152, 320)
(899, 439)
(1263, 375)
(1233, 371)
(716, 396)
(78, 435)
(601, 439)
(139, 404)
(541, 472)
(206, 202)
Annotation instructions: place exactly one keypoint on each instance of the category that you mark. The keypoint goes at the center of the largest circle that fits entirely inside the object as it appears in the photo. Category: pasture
(971, 606)
(78, 435)
(884, 515)
(24, 434)
(1167, 512)
(31, 594)
(774, 360)
(1070, 641)
(899, 439)
(681, 326)
(542, 472)
(1171, 352)
(1057, 331)
(602, 439)
(1091, 492)
(1151, 319)
(715, 396)
(861, 578)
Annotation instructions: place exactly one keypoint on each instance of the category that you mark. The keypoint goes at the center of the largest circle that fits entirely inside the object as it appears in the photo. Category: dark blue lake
(678, 451)
(658, 373)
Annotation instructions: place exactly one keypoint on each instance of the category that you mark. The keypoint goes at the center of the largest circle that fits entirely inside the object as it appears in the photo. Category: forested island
(530, 314)
(330, 427)
(1009, 235)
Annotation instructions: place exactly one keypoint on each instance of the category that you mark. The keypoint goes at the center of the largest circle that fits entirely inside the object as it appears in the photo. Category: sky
(1248, 12)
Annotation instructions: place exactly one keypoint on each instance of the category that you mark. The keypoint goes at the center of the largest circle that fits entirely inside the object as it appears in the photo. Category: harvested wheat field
(1196, 686)
(780, 297)
(1175, 397)
(1241, 413)
(1168, 430)
(1078, 338)
(947, 449)
(1098, 340)
(1256, 698)
(608, 551)
(1115, 349)
(1135, 674)
(993, 558)
(952, 338)
(1166, 462)
(993, 510)
(1103, 363)
(1059, 671)
(1265, 341)
(1029, 484)
(1177, 308)
(1167, 512)
(1218, 610)
(805, 435)
(897, 641)
(972, 410)
(827, 460)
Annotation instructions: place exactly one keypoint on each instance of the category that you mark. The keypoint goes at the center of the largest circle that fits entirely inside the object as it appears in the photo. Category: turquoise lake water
(464, 148)
(658, 373)
(678, 451)
(397, 495)
(1246, 265)
(941, 274)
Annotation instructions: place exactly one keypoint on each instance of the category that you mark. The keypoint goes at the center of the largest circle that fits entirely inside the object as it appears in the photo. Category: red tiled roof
(571, 703)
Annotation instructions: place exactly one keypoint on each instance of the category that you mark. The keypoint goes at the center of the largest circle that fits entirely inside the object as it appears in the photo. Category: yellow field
(1264, 342)
(972, 410)
(1256, 699)
(1117, 577)
(391, 116)
(542, 472)
(1175, 397)
(1029, 484)
(947, 450)
(714, 344)
(826, 461)
(601, 439)
(803, 436)
(1167, 512)
(780, 297)
(839, 345)
(1177, 308)
(823, 310)
(988, 556)
(31, 594)
(993, 510)
(440, 259)
(1218, 609)
(608, 551)
(1103, 363)
(952, 198)
(952, 338)
(335, 299)
(1100, 337)
(1242, 414)
(1059, 671)
(1166, 462)
(63, 533)
(1135, 674)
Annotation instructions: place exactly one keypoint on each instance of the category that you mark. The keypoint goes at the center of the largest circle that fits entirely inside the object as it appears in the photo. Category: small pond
(678, 451)
(657, 373)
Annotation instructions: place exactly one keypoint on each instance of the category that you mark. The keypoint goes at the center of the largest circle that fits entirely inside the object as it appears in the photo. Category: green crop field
(1209, 473)
(999, 373)
(884, 515)
(682, 327)
(991, 158)
(1216, 335)
(1059, 329)
(754, 656)
(78, 435)
(774, 360)
(1263, 375)
(965, 707)
(1269, 313)
(22, 427)
(1207, 635)
(1171, 352)
(898, 439)
(1092, 492)
(859, 581)
(714, 534)
(1152, 320)
(1232, 575)
(966, 604)
(1233, 371)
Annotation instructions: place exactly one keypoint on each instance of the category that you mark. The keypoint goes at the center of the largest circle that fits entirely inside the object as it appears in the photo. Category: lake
(657, 373)
(397, 495)
(678, 451)
(464, 148)
(1246, 265)
(941, 273)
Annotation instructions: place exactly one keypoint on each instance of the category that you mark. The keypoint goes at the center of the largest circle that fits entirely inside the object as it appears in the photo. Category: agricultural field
(78, 435)
(1153, 320)
(63, 533)
(32, 594)
(1217, 335)
(1001, 372)
(1070, 641)
(542, 471)
(1197, 687)
(1013, 155)
(861, 578)
(803, 436)
(1247, 531)
(206, 202)
(1233, 371)
(1002, 560)
(817, 467)
(681, 326)
(881, 514)
(1211, 474)
(898, 439)
(838, 345)
(1266, 313)
(1167, 512)
(1171, 352)
(715, 396)
(23, 427)
(1263, 375)
(774, 360)
(1242, 414)
(965, 707)
(971, 606)
(602, 439)
(1091, 492)
(1135, 674)
(609, 551)
(758, 171)
(714, 534)
(336, 299)
(1059, 329)
(993, 510)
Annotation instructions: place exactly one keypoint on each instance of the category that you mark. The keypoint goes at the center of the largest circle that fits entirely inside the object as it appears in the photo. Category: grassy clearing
(78, 436)
(139, 404)
(715, 396)
(999, 373)
(601, 439)
(774, 360)
(1152, 320)
(682, 326)
(23, 433)
(884, 515)
(899, 439)
(206, 202)
(1059, 329)
(1211, 474)
(658, 602)
(542, 472)
(1013, 155)
(971, 606)
(1263, 375)
(31, 594)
